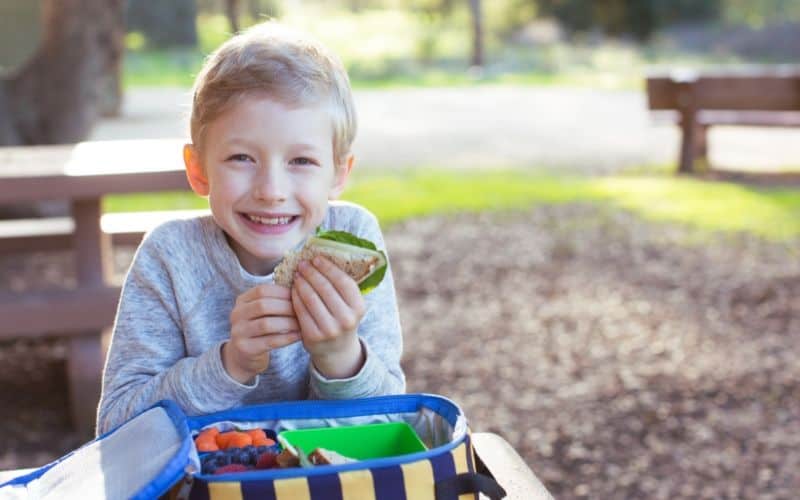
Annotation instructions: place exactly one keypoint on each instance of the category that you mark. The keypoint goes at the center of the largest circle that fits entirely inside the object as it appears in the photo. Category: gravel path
(574, 129)
(622, 359)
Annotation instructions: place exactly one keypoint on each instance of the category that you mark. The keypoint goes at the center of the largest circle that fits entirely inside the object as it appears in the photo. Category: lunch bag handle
(468, 482)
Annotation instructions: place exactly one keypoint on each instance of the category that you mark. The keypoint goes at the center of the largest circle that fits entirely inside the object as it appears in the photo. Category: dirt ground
(621, 358)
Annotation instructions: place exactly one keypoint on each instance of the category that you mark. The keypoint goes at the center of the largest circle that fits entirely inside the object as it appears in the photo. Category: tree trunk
(477, 32)
(56, 96)
(232, 11)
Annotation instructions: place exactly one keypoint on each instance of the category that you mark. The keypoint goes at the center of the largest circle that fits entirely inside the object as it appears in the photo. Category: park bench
(82, 175)
(746, 98)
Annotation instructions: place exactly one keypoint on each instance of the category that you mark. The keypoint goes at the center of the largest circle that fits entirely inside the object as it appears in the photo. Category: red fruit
(267, 460)
(227, 469)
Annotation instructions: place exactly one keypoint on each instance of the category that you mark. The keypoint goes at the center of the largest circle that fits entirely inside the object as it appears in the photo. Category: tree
(165, 23)
(55, 97)
(232, 11)
(477, 32)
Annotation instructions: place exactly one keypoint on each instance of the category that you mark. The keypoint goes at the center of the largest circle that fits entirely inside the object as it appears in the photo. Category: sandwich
(357, 257)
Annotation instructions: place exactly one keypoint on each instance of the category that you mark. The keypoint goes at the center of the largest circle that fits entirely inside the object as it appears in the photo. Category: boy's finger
(308, 327)
(345, 285)
(275, 341)
(265, 290)
(271, 326)
(267, 307)
(260, 308)
(325, 288)
(326, 323)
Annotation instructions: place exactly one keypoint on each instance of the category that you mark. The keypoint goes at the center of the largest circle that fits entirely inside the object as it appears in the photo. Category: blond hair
(286, 65)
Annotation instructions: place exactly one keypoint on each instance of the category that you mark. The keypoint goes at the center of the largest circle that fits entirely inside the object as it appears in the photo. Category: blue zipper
(334, 408)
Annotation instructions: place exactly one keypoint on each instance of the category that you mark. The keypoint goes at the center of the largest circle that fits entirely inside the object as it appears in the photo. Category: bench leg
(689, 134)
(701, 142)
(84, 375)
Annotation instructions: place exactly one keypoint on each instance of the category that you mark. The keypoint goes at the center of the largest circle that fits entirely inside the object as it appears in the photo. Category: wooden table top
(502, 461)
(90, 169)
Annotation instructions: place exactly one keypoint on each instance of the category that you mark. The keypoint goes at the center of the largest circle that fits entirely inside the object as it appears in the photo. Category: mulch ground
(621, 358)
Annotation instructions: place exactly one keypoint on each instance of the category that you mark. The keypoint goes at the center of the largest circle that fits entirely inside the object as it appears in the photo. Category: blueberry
(209, 468)
(241, 456)
(249, 456)
(222, 460)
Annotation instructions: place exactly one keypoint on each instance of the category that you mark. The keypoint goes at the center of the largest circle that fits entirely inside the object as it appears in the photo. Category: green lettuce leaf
(345, 237)
(374, 279)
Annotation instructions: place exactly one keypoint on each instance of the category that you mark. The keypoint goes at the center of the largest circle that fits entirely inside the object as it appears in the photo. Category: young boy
(200, 320)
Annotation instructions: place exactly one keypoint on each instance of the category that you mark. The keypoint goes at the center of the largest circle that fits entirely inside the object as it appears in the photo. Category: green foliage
(640, 18)
(394, 47)
(756, 13)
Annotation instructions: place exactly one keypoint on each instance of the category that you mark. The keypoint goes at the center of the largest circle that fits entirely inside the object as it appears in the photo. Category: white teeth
(270, 221)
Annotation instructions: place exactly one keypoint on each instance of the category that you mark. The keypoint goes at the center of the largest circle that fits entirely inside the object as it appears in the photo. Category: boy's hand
(262, 320)
(329, 306)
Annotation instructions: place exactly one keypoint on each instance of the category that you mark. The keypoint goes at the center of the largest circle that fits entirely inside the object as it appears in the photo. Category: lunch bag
(153, 456)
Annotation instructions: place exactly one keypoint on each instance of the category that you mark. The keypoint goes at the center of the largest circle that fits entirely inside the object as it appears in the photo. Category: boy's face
(268, 171)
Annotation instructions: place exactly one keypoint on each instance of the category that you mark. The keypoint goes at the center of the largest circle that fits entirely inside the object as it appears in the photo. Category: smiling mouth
(271, 221)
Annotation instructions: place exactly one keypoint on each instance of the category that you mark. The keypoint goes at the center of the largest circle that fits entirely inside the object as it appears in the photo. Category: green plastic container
(360, 442)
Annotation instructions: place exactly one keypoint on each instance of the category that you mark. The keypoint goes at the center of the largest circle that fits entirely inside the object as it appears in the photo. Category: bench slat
(55, 233)
(59, 312)
(734, 93)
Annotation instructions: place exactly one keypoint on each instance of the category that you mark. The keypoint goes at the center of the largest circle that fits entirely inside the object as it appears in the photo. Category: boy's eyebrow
(240, 141)
(302, 145)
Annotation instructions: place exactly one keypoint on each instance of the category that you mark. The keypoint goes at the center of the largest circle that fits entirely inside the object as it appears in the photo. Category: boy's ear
(340, 177)
(194, 170)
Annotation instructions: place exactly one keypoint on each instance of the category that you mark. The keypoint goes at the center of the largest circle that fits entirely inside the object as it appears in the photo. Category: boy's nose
(270, 185)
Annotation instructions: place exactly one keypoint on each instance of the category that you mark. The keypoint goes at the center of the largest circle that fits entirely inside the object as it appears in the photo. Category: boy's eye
(239, 157)
(302, 160)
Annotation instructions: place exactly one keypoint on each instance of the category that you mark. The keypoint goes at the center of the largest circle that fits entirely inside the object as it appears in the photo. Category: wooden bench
(55, 233)
(81, 174)
(760, 99)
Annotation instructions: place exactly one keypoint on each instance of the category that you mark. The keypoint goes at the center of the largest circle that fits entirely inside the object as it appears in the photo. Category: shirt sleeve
(147, 359)
(380, 335)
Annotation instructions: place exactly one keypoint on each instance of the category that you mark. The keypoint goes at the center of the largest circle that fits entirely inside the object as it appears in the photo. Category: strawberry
(267, 460)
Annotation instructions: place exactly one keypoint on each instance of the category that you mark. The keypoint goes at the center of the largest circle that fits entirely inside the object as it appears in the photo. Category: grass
(710, 207)
(396, 47)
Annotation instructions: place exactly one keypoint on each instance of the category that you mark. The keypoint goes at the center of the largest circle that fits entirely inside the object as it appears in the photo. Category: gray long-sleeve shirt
(173, 318)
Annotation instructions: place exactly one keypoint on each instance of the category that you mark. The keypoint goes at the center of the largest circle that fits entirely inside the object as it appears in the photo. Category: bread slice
(358, 262)
(322, 456)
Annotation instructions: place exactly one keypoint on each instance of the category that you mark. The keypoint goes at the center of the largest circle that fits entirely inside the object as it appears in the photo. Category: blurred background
(631, 332)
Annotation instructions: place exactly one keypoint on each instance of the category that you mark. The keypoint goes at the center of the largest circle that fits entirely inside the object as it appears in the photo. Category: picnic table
(81, 174)
(495, 457)
(746, 97)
